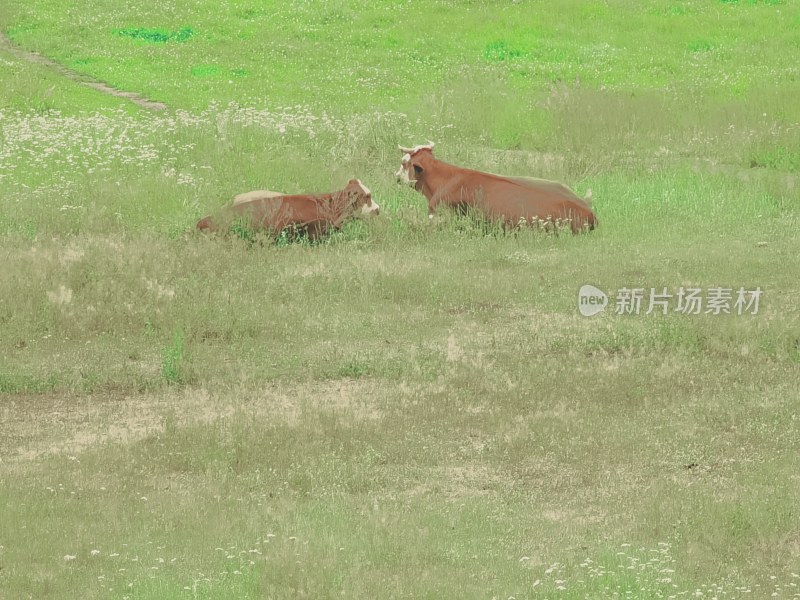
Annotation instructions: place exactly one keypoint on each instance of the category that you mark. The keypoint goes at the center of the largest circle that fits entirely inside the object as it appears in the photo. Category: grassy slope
(414, 407)
(359, 54)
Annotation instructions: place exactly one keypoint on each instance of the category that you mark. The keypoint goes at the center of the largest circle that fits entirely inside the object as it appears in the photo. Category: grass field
(411, 408)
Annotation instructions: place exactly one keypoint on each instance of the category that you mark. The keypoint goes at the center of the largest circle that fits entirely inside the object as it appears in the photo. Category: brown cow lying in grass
(314, 214)
(511, 200)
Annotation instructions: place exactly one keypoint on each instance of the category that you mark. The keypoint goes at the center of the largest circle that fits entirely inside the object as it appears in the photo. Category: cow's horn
(406, 150)
(430, 144)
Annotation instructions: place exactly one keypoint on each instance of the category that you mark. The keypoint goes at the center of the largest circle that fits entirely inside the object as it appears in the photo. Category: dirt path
(7, 45)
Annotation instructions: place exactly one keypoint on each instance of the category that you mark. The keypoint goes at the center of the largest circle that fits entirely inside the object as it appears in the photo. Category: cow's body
(511, 200)
(315, 214)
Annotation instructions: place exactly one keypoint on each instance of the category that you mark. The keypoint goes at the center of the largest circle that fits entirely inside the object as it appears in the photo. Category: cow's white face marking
(364, 188)
(402, 176)
(369, 208)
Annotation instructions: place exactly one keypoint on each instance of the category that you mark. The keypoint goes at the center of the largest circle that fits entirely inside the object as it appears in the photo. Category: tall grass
(412, 407)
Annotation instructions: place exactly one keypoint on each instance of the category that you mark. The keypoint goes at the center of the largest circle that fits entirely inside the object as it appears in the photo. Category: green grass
(410, 407)
(355, 54)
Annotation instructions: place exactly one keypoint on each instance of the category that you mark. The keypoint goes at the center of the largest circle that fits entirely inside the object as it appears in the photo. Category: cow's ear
(417, 169)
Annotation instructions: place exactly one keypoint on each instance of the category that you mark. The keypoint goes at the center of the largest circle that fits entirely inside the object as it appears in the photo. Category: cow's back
(518, 202)
(278, 212)
(255, 195)
(275, 212)
(553, 187)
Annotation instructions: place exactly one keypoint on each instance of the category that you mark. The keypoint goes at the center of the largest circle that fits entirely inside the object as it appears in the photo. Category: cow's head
(411, 168)
(360, 198)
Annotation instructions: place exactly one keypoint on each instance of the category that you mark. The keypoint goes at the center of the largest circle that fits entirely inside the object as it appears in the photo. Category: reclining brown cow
(316, 214)
(512, 200)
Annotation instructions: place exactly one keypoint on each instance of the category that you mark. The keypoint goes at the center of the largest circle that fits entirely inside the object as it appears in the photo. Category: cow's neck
(337, 205)
(437, 176)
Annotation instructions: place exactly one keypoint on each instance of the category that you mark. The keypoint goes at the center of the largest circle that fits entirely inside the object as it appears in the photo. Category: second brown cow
(315, 214)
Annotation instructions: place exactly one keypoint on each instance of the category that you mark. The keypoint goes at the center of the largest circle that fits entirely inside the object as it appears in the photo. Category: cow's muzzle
(371, 209)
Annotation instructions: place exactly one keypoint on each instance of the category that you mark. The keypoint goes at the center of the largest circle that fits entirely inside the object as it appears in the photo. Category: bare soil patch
(35, 426)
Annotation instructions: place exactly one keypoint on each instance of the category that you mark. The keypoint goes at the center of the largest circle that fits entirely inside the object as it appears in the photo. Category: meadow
(412, 408)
